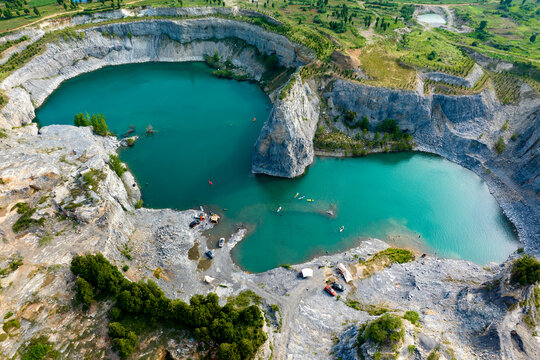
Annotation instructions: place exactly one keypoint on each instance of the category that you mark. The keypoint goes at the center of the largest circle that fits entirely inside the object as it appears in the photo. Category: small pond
(431, 19)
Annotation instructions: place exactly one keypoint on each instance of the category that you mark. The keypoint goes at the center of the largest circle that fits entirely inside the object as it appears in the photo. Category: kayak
(301, 197)
(210, 182)
(295, 196)
(341, 228)
(310, 200)
(279, 209)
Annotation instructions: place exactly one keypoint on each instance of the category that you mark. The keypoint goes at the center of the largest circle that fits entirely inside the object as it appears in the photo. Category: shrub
(505, 126)
(139, 204)
(80, 120)
(386, 330)
(11, 324)
(514, 136)
(397, 255)
(525, 271)
(411, 349)
(99, 125)
(125, 268)
(499, 145)
(38, 349)
(25, 221)
(84, 292)
(412, 316)
(116, 165)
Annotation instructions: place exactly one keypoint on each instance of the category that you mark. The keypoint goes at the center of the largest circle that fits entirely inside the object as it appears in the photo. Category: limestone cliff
(285, 145)
(134, 42)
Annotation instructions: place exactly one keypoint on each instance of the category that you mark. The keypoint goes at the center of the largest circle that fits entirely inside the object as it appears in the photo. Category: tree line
(236, 334)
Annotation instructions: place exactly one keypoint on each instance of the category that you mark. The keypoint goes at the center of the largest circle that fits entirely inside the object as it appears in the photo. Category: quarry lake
(206, 130)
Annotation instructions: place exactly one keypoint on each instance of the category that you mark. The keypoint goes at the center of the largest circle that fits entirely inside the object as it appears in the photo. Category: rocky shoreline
(458, 310)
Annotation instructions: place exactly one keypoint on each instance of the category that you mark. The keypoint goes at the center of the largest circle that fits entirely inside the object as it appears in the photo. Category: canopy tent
(346, 274)
(307, 272)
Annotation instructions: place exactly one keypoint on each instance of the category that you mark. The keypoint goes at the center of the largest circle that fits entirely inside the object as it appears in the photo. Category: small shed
(345, 273)
(307, 273)
(214, 218)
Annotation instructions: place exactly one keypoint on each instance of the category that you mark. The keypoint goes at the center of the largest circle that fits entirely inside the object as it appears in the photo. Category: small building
(214, 218)
(345, 273)
(307, 273)
(208, 279)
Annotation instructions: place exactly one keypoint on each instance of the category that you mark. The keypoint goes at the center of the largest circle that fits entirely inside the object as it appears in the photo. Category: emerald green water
(206, 132)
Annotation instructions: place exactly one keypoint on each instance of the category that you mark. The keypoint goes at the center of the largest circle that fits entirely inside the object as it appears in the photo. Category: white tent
(307, 272)
(208, 279)
(346, 274)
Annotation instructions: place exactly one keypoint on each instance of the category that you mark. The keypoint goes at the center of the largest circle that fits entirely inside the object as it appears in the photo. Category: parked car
(194, 223)
(338, 286)
(210, 254)
(329, 290)
(221, 242)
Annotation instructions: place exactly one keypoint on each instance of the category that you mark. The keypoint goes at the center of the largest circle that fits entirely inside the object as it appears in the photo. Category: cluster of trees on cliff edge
(236, 333)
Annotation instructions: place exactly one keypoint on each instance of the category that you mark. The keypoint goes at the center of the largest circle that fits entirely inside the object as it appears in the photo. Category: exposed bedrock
(135, 42)
(285, 145)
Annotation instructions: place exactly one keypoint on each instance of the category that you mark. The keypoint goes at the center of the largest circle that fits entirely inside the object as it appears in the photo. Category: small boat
(301, 198)
(279, 209)
(254, 119)
(310, 200)
(210, 182)
(221, 242)
(295, 196)
(200, 207)
(341, 229)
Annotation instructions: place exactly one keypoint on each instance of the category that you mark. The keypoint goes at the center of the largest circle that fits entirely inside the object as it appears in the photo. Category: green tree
(84, 292)
(99, 125)
(525, 271)
(36, 11)
(532, 38)
(80, 120)
(228, 352)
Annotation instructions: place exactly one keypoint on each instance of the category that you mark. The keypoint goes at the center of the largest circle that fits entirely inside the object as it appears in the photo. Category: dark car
(194, 223)
(210, 254)
(338, 286)
(329, 290)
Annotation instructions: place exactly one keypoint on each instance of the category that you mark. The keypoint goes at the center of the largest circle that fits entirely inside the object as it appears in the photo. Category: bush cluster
(98, 123)
(525, 271)
(237, 333)
(116, 165)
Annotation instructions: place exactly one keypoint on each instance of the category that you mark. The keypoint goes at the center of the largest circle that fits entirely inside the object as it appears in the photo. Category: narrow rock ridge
(136, 42)
(285, 145)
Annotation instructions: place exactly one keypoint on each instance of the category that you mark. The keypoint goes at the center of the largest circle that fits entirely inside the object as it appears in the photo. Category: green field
(381, 37)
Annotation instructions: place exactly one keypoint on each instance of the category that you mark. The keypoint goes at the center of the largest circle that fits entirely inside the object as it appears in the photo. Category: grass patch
(10, 325)
(38, 349)
(384, 259)
(246, 298)
(373, 310)
(412, 316)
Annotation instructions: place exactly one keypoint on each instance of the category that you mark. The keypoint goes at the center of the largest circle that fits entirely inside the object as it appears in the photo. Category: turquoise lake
(205, 131)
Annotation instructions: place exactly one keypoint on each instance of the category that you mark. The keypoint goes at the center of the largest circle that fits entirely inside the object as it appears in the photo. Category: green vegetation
(15, 262)
(396, 255)
(139, 204)
(385, 331)
(373, 310)
(11, 324)
(236, 333)
(525, 271)
(3, 134)
(412, 316)
(10, 43)
(116, 165)
(499, 145)
(411, 349)
(38, 349)
(392, 140)
(385, 258)
(98, 123)
(8, 315)
(25, 221)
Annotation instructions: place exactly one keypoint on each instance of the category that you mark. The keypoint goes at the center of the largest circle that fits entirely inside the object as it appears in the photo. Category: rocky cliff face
(464, 129)
(133, 42)
(285, 145)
